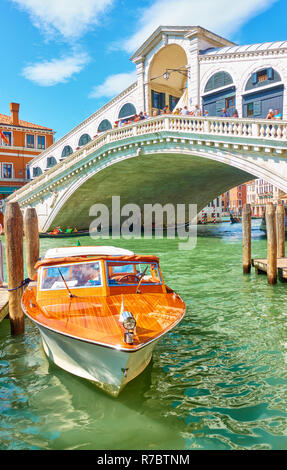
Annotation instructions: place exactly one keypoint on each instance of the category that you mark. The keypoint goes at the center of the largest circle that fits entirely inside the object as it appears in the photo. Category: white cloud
(223, 17)
(113, 85)
(49, 73)
(70, 18)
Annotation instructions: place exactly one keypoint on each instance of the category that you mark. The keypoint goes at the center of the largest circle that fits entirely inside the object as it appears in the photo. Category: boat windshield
(123, 273)
(76, 275)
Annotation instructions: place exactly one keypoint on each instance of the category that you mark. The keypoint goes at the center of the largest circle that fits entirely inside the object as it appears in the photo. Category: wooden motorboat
(101, 311)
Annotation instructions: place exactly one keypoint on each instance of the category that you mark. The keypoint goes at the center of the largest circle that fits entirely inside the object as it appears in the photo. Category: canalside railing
(215, 126)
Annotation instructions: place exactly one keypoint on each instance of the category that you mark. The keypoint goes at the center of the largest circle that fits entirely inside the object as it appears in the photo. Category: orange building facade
(20, 141)
(237, 199)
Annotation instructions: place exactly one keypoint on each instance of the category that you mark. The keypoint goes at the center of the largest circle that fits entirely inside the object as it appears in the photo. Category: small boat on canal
(101, 311)
(59, 234)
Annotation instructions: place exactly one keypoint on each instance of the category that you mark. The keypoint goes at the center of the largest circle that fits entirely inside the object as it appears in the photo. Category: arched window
(67, 150)
(218, 80)
(262, 77)
(37, 171)
(84, 139)
(105, 125)
(127, 110)
(264, 90)
(51, 161)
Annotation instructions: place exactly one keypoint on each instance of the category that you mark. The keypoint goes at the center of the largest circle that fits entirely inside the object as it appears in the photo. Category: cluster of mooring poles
(276, 263)
(15, 226)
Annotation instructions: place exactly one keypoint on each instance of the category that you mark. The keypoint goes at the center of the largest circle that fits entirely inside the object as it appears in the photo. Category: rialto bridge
(165, 159)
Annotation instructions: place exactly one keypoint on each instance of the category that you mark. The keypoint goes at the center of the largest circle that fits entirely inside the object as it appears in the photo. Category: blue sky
(63, 59)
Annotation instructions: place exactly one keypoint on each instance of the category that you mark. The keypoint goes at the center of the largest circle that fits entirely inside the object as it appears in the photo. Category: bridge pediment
(165, 35)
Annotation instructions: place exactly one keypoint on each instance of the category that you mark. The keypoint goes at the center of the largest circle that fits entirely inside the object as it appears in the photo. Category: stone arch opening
(219, 94)
(67, 150)
(128, 110)
(37, 171)
(51, 161)
(84, 139)
(104, 125)
(167, 78)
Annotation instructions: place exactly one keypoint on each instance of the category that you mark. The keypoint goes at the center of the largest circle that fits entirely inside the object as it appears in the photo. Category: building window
(157, 100)
(30, 141)
(250, 109)
(173, 100)
(7, 170)
(230, 102)
(8, 138)
(28, 172)
(262, 76)
(67, 150)
(41, 141)
(84, 139)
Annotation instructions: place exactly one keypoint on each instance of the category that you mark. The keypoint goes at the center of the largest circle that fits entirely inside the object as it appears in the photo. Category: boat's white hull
(111, 369)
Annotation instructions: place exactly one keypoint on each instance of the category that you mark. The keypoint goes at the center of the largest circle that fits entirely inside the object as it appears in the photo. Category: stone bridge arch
(171, 176)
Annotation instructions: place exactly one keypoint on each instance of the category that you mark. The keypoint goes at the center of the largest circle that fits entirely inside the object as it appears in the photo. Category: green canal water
(217, 381)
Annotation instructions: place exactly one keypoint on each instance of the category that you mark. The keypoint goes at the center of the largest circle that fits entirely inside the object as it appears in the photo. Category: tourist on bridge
(277, 115)
(197, 111)
(270, 114)
(235, 114)
(141, 116)
(224, 113)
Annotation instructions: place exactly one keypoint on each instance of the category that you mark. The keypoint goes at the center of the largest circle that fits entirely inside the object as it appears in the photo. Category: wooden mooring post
(246, 238)
(13, 226)
(271, 244)
(32, 240)
(280, 230)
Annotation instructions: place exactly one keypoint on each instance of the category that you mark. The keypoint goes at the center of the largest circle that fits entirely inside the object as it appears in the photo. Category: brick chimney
(14, 108)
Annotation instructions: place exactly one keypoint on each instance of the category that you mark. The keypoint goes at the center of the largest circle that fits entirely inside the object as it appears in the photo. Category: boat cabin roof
(68, 251)
(83, 259)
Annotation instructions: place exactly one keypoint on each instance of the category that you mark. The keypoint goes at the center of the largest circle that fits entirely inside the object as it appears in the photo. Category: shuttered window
(218, 80)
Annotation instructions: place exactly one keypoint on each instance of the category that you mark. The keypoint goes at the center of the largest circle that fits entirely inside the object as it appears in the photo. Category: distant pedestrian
(224, 113)
(235, 114)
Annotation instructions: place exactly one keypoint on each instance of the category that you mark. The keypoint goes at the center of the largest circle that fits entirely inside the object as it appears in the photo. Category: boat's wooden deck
(97, 318)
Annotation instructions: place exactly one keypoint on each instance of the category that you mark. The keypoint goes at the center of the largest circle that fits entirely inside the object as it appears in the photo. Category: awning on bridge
(183, 101)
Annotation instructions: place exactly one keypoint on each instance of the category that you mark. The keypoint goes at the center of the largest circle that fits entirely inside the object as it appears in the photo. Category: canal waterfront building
(195, 66)
(20, 142)
(259, 192)
(237, 199)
